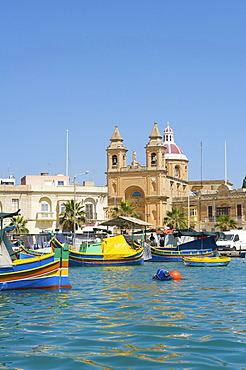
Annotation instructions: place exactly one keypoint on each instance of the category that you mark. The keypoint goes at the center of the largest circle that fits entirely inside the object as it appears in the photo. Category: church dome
(173, 151)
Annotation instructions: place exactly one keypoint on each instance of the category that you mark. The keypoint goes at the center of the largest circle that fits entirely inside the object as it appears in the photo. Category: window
(176, 171)
(136, 194)
(15, 205)
(114, 160)
(222, 211)
(239, 209)
(44, 207)
(210, 211)
(62, 208)
(193, 212)
(89, 211)
(60, 183)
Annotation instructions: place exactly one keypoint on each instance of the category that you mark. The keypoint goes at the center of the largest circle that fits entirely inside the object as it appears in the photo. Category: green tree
(20, 224)
(126, 208)
(175, 219)
(67, 218)
(225, 222)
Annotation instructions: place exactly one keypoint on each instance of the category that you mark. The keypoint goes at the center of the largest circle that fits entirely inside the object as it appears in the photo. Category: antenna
(66, 152)
(225, 166)
(201, 164)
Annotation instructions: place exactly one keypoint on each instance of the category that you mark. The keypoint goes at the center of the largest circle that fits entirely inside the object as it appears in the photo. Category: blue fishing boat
(171, 248)
(47, 271)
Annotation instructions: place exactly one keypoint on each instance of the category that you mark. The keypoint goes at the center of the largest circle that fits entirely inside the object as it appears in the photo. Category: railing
(214, 218)
(45, 216)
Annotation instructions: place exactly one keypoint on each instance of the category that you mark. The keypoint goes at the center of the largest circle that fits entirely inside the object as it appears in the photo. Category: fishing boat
(111, 251)
(46, 271)
(174, 246)
(206, 261)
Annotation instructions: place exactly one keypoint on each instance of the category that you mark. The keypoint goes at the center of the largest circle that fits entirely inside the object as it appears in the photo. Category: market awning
(122, 221)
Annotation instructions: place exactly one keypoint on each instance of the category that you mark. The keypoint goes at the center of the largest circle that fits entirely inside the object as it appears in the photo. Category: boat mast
(201, 165)
(200, 211)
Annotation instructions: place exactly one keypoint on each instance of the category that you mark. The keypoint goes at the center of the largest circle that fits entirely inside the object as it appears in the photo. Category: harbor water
(121, 318)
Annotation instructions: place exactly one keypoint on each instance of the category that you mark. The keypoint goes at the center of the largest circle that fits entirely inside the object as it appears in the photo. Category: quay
(233, 253)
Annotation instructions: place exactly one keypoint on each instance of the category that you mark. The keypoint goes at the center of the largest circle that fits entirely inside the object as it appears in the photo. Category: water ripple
(120, 318)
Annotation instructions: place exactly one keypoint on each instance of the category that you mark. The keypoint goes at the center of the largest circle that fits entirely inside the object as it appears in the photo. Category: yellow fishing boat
(206, 261)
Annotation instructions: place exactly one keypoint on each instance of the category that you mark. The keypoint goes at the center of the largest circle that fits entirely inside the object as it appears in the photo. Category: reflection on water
(120, 318)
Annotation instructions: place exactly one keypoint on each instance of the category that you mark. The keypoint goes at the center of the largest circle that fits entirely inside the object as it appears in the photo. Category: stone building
(41, 199)
(150, 187)
(210, 199)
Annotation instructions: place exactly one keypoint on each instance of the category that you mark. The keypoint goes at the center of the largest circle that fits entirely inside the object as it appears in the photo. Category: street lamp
(74, 203)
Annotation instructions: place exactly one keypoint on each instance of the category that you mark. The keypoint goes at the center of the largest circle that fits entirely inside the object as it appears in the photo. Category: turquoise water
(120, 318)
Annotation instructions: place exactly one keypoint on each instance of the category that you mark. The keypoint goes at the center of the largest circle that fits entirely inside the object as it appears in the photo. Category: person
(152, 239)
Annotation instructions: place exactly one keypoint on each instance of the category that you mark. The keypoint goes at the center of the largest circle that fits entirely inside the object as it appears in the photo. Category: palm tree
(175, 219)
(66, 218)
(127, 209)
(20, 225)
(225, 222)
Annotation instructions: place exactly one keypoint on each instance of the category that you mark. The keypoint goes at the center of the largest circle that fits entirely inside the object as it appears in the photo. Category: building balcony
(45, 216)
(193, 218)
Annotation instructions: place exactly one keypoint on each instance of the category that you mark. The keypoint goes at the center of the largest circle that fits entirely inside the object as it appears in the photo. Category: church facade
(150, 187)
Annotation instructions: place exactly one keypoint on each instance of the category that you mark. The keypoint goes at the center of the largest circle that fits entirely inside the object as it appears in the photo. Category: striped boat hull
(85, 259)
(41, 271)
(162, 255)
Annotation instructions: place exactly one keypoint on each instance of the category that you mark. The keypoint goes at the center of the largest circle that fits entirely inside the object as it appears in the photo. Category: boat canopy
(122, 221)
(194, 233)
(117, 246)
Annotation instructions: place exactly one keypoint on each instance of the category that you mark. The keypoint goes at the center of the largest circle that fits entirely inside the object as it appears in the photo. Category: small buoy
(176, 275)
(162, 275)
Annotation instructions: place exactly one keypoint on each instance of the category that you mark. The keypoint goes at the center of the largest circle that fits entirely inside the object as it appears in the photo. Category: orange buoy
(176, 275)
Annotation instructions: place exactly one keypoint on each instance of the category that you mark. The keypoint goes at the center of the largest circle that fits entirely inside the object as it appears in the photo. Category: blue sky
(88, 65)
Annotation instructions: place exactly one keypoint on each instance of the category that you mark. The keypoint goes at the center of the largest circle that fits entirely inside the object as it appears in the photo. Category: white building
(7, 180)
(41, 199)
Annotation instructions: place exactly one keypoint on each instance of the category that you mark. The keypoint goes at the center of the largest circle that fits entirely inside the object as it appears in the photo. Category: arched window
(136, 194)
(89, 211)
(153, 158)
(176, 171)
(114, 160)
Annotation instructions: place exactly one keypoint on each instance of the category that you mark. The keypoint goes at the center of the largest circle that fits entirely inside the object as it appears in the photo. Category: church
(152, 186)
